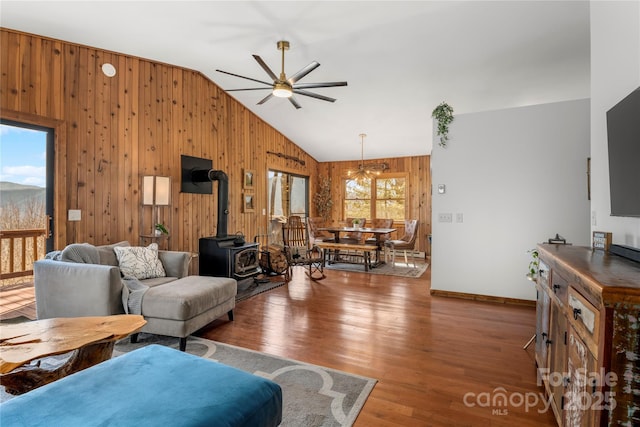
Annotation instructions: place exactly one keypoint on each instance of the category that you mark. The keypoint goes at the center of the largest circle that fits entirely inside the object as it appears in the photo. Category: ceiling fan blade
(265, 67)
(250, 88)
(243, 77)
(316, 85)
(313, 95)
(303, 72)
(293, 101)
(265, 99)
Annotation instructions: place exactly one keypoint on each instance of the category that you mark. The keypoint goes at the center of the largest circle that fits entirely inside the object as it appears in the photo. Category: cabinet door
(557, 349)
(542, 329)
(583, 396)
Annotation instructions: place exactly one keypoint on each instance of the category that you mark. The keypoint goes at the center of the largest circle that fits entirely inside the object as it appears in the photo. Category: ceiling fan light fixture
(283, 87)
(282, 90)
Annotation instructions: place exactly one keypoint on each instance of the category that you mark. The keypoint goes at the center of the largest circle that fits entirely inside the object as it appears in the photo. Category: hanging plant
(443, 114)
(322, 198)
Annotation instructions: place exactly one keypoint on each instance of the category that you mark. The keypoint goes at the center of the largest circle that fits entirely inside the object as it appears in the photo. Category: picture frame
(248, 202)
(602, 240)
(248, 179)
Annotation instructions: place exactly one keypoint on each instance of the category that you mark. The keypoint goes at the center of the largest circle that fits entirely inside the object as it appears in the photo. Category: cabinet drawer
(559, 286)
(585, 318)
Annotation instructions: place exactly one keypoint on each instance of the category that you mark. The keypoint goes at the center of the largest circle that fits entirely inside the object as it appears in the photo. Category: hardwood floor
(18, 300)
(427, 353)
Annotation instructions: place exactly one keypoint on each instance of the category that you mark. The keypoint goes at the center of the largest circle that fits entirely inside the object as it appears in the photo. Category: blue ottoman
(152, 386)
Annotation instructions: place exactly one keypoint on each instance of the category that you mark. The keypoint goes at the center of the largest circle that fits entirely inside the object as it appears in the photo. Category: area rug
(249, 287)
(400, 269)
(14, 320)
(312, 395)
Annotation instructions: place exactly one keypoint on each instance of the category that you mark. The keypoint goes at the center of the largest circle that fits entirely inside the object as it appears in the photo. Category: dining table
(377, 233)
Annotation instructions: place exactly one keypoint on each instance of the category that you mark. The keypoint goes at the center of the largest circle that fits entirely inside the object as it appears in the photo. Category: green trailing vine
(443, 114)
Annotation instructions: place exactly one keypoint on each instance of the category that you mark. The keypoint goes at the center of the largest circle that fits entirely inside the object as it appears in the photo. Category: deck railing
(19, 249)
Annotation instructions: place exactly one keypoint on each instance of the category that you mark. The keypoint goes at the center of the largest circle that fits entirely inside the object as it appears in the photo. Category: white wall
(615, 73)
(518, 177)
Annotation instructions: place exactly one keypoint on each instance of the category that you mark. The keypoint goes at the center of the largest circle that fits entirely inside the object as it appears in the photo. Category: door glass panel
(26, 191)
(299, 196)
(288, 195)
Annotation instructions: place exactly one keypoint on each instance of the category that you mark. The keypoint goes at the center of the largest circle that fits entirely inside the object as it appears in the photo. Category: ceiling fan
(284, 87)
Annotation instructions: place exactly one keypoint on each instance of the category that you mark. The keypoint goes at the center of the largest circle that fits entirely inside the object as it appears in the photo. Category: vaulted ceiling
(400, 59)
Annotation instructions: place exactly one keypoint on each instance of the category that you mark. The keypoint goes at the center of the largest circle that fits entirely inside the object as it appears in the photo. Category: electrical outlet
(459, 217)
(445, 217)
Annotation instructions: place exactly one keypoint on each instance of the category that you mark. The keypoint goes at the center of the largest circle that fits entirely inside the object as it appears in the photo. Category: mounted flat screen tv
(623, 134)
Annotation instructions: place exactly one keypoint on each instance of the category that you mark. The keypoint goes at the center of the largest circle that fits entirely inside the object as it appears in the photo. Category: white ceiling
(401, 59)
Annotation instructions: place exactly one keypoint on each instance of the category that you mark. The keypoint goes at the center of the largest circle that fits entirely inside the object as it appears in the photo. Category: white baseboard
(416, 254)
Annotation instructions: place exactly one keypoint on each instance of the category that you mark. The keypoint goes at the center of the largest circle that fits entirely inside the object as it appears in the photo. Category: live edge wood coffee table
(90, 338)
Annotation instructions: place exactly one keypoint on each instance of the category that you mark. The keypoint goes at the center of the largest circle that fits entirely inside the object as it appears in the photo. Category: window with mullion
(357, 200)
(390, 198)
(387, 201)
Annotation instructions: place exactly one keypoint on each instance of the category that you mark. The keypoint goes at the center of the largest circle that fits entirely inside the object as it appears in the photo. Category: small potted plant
(356, 223)
(160, 229)
(534, 264)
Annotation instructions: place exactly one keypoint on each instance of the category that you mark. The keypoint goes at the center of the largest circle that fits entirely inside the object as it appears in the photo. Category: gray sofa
(176, 305)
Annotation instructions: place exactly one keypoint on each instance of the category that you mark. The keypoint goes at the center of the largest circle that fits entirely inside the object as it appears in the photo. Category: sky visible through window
(23, 155)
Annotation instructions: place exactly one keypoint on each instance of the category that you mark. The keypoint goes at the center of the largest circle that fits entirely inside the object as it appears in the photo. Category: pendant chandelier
(366, 170)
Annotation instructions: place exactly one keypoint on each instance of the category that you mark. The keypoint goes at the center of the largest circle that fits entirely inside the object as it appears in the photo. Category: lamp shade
(156, 190)
(282, 90)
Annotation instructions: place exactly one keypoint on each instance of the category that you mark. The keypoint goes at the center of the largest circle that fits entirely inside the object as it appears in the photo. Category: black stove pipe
(204, 175)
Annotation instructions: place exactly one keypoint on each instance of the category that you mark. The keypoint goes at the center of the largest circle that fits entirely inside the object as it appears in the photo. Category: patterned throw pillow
(139, 262)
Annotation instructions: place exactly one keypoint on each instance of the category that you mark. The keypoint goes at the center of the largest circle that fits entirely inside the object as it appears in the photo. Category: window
(357, 200)
(377, 197)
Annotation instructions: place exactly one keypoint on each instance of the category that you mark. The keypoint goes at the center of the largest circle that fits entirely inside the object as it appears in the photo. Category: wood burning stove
(223, 255)
(222, 258)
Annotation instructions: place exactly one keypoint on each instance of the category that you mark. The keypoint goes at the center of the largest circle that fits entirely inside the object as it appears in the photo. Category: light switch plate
(441, 188)
(74, 215)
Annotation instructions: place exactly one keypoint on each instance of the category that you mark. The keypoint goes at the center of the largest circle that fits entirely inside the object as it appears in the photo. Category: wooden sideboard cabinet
(588, 335)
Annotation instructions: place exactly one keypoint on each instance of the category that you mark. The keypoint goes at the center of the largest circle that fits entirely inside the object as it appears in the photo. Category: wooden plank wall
(112, 131)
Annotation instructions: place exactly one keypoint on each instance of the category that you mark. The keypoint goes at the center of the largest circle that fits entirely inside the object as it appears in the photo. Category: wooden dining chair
(406, 243)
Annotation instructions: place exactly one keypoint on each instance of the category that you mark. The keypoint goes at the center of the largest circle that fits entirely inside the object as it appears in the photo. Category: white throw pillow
(139, 262)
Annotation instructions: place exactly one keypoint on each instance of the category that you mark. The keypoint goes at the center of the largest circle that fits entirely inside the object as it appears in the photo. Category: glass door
(288, 195)
(27, 174)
